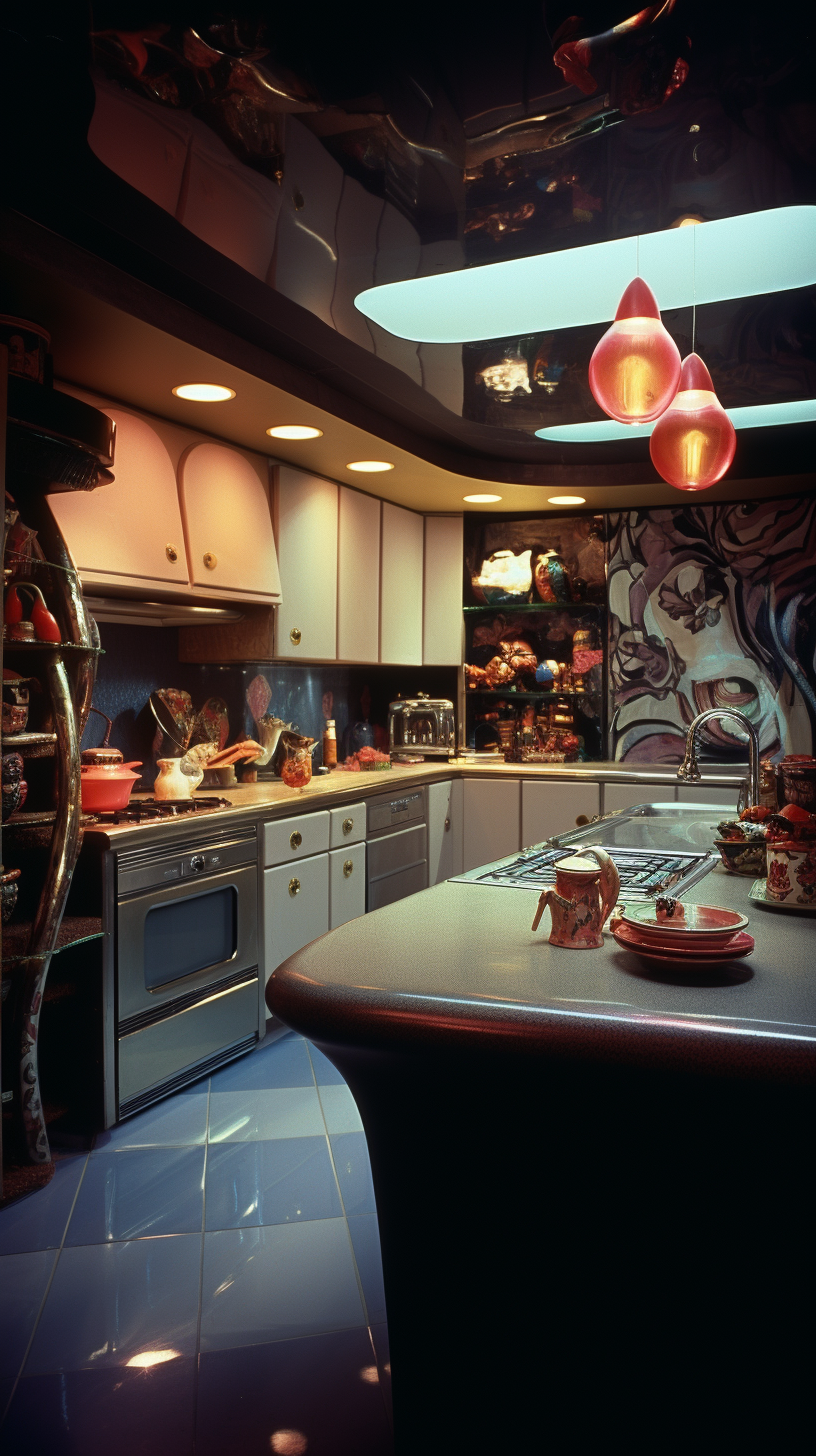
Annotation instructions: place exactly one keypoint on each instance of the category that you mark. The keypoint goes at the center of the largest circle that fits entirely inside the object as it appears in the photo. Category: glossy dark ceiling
(457, 117)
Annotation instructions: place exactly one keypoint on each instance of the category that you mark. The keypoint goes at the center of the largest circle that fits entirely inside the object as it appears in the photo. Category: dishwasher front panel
(397, 886)
(397, 865)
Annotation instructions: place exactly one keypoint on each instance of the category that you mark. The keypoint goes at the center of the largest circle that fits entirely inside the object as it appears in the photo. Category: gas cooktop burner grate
(148, 809)
(642, 872)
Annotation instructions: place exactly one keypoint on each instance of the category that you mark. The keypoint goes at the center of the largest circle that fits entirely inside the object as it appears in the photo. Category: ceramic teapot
(582, 900)
(174, 782)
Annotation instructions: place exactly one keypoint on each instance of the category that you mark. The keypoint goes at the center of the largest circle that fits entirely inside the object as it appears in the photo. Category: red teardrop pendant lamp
(635, 369)
(693, 442)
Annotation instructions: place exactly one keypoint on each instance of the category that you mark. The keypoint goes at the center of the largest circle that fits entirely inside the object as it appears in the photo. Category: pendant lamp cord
(694, 288)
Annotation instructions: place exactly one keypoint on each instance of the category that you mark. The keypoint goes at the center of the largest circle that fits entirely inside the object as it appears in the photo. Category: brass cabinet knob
(170, 552)
(210, 560)
(582, 820)
(296, 839)
(294, 887)
(348, 825)
(295, 635)
(348, 867)
(447, 823)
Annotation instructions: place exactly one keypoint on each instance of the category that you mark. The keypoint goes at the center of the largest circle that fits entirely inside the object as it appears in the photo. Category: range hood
(156, 614)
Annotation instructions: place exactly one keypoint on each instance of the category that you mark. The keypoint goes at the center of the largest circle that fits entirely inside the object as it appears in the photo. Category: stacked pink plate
(695, 936)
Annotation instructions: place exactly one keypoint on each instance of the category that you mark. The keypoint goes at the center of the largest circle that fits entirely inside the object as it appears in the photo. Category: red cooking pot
(107, 782)
(107, 786)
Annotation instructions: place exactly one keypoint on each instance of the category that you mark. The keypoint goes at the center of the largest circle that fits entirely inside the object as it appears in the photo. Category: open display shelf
(560, 556)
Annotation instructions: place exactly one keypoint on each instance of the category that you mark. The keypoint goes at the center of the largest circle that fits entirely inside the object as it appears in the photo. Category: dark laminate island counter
(593, 1179)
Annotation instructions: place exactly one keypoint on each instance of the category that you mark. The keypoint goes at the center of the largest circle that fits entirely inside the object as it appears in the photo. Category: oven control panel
(151, 868)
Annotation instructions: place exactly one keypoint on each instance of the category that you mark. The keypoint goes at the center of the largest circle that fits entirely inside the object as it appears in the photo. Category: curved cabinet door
(227, 523)
(130, 530)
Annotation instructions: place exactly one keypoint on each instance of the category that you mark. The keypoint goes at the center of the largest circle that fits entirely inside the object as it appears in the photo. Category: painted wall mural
(713, 606)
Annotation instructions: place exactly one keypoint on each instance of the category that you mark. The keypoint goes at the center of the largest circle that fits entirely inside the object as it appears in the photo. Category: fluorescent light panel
(744, 417)
(733, 257)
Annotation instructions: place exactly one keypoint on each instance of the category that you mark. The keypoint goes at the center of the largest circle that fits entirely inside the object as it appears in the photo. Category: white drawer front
(346, 884)
(348, 825)
(289, 839)
(296, 908)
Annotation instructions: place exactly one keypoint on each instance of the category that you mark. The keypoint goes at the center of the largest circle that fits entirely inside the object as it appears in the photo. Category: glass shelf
(500, 607)
(74, 930)
(551, 696)
(13, 644)
(30, 745)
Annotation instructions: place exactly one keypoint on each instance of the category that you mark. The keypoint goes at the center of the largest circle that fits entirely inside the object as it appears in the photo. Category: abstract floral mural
(713, 606)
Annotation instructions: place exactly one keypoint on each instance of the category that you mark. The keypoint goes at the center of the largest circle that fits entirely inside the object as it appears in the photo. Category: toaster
(422, 725)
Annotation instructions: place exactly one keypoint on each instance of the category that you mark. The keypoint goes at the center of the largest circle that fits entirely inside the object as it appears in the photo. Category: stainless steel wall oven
(183, 991)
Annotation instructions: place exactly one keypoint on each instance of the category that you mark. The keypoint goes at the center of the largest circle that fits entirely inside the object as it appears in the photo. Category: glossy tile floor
(206, 1281)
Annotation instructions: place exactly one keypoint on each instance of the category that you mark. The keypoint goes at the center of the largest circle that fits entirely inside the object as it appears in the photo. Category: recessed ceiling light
(369, 467)
(294, 432)
(728, 257)
(204, 393)
(481, 500)
(567, 500)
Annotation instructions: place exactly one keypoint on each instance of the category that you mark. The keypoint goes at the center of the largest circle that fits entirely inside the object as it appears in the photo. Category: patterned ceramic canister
(792, 873)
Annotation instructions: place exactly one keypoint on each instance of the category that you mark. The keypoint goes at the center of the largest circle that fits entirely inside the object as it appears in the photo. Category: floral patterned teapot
(582, 900)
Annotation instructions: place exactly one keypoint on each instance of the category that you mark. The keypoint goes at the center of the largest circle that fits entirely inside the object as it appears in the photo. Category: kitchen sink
(656, 847)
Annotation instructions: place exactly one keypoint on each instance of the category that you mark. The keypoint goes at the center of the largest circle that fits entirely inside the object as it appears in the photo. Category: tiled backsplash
(138, 660)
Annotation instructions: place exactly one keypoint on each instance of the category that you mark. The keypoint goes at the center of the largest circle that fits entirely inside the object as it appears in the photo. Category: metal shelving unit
(51, 447)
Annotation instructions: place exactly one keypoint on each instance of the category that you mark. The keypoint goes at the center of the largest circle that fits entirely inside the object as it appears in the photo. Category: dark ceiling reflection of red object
(693, 443)
(635, 368)
(640, 62)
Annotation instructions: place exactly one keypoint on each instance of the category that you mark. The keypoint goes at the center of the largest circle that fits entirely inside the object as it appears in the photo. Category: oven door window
(188, 935)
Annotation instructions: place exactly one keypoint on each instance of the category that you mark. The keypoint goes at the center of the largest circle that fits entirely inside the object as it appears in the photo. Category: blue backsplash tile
(137, 660)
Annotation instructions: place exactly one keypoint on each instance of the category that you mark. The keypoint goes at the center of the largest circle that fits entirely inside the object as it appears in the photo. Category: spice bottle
(329, 745)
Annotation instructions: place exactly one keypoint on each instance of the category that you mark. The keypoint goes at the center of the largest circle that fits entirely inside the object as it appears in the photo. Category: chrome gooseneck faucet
(689, 769)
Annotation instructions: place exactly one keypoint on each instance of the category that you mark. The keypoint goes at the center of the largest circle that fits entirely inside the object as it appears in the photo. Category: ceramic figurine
(8, 891)
(582, 900)
(15, 787)
(15, 702)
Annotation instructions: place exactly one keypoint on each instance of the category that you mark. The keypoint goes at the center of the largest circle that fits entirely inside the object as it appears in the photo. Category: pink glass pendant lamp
(635, 368)
(693, 442)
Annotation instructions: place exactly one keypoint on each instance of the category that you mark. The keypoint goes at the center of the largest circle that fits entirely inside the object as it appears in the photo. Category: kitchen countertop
(271, 799)
(460, 962)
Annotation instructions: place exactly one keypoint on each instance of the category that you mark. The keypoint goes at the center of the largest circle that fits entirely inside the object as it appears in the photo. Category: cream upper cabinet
(442, 607)
(307, 554)
(130, 531)
(401, 572)
(358, 577)
(227, 522)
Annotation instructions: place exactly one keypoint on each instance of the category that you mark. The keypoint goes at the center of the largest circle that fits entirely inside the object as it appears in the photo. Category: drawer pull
(294, 887)
(296, 839)
(348, 867)
(348, 825)
(210, 560)
(295, 635)
(170, 552)
(447, 823)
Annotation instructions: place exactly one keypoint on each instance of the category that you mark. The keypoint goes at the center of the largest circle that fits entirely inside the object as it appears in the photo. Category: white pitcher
(174, 782)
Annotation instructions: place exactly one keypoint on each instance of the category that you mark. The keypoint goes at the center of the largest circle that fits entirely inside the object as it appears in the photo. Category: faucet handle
(689, 769)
